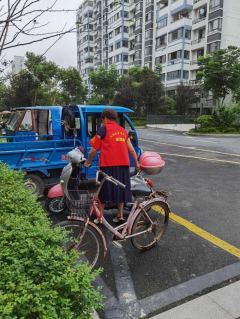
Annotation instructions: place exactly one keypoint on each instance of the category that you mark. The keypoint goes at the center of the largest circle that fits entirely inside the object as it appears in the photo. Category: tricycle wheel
(34, 183)
(69, 122)
(55, 205)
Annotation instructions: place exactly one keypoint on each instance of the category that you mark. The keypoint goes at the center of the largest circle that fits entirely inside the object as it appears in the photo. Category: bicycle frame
(125, 227)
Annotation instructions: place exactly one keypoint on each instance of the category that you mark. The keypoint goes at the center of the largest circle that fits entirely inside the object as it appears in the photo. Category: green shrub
(224, 116)
(206, 130)
(205, 121)
(38, 279)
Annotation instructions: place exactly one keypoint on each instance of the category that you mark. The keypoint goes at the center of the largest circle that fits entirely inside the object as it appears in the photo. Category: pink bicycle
(146, 223)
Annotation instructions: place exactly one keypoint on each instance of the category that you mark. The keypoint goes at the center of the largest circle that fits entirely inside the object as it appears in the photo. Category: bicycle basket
(81, 207)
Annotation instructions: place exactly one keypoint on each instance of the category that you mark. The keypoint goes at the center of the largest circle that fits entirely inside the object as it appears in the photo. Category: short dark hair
(111, 114)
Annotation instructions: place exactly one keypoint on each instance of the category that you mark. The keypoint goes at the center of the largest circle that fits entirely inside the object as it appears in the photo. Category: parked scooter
(68, 188)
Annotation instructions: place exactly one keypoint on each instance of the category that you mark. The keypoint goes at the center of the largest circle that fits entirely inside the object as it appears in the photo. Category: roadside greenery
(224, 119)
(38, 279)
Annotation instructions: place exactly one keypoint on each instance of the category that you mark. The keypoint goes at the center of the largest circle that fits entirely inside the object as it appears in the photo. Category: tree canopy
(44, 83)
(104, 82)
(220, 72)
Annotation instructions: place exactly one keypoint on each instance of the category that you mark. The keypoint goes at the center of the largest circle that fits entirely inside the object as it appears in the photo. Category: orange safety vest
(114, 150)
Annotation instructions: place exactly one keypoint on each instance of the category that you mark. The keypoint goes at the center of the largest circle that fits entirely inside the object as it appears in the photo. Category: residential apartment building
(173, 33)
(18, 64)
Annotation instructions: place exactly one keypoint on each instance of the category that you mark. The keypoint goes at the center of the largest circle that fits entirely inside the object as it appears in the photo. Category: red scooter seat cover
(151, 163)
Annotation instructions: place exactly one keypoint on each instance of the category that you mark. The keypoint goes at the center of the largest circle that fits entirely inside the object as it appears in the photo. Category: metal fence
(171, 119)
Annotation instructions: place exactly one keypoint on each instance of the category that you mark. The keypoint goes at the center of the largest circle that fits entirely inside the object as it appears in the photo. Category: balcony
(199, 23)
(198, 3)
(198, 41)
(172, 62)
(180, 23)
(130, 63)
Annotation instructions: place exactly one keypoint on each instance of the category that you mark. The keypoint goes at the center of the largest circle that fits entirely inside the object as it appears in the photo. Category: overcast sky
(64, 52)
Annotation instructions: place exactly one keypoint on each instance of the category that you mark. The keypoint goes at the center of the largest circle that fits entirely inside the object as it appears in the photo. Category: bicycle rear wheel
(91, 244)
(158, 212)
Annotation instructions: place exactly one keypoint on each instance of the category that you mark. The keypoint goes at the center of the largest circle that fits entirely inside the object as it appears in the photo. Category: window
(215, 25)
(111, 35)
(215, 3)
(138, 23)
(149, 16)
(175, 55)
(173, 75)
(118, 30)
(118, 45)
(185, 74)
(13, 121)
(138, 55)
(125, 29)
(163, 77)
(111, 48)
(200, 53)
(139, 7)
(161, 41)
(148, 50)
(148, 34)
(125, 44)
(213, 47)
(125, 14)
(162, 23)
(160, 59)
(110, 61)
(188, 34)
(118, 58)
(138, 38)
(201, 34)
(175, 35)
(186, 55)
(125, 58)
(26, 124)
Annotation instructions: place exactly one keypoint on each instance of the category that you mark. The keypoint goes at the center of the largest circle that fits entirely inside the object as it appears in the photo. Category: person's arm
(91, 155)
(133, 153)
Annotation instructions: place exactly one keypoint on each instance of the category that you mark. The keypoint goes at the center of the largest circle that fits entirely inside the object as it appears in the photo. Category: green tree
(184, 98)
(141, 90)
(72, 88)
(221, 72)
(104, 82)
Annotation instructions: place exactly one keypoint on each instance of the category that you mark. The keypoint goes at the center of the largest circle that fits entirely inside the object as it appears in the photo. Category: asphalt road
(201, 247)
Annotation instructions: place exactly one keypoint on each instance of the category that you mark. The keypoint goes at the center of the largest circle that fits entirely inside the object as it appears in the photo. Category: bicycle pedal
(117, 244)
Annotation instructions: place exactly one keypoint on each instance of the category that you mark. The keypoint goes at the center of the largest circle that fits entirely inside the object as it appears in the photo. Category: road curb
(215, 135)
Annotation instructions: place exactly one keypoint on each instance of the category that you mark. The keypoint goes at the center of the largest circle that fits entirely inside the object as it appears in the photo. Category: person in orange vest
(115, 144)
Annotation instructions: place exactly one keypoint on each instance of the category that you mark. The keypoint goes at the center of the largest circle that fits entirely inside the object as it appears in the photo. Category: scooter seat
(133, 172)
(140, 190)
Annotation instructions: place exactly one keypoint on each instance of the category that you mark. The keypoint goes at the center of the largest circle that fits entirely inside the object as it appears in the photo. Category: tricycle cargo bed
(36, 155)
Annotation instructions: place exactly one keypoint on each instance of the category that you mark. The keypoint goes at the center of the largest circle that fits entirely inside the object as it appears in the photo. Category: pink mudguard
(56, 191)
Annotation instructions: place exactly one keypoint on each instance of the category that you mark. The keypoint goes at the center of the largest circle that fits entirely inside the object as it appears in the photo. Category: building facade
(173, 33)
(18, 64)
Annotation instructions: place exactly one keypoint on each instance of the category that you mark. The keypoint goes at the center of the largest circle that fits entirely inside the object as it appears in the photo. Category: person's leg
(120, 210)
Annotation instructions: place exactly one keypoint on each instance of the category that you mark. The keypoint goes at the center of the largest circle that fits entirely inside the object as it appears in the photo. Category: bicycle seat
(140, 190)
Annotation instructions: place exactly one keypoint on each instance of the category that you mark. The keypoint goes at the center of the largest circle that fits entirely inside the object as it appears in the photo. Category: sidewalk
(223, 303)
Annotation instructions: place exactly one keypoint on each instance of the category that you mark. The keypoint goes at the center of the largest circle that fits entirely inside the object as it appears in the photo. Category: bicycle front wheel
(153, 218)
(91, 246)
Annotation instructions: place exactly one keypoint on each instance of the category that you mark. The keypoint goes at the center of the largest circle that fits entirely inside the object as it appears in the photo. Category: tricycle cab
(87, 120)
(34, 123)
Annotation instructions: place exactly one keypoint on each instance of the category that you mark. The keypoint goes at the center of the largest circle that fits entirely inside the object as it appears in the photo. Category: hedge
(38, 279)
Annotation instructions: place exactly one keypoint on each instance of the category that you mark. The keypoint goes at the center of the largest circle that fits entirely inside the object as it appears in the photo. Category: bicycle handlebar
(109, 178)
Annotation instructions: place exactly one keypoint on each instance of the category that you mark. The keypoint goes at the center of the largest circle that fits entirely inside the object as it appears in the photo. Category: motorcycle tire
(51, 206)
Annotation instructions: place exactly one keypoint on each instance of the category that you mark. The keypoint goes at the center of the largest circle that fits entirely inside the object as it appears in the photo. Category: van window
(26, 125)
